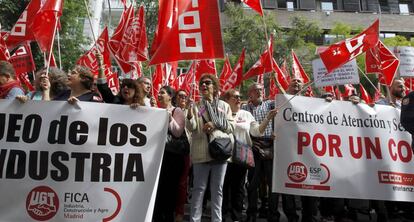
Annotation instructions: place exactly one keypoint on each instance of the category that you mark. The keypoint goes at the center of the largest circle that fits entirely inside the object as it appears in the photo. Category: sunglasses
(237, 96)
(182, 96)
(207, 83)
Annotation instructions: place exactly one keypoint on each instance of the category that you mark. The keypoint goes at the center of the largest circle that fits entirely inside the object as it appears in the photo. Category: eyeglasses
(237, 96)
(182, 96)
(206, 82)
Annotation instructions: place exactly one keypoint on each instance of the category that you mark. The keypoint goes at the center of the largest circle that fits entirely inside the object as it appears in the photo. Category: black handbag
(219, 148)
(177, 145)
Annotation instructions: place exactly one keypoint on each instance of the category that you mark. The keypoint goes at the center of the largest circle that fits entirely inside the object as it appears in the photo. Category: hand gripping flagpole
(51, 45)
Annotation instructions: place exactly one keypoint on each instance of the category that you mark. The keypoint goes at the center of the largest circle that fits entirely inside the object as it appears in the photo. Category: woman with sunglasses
(245, 125)
(172, 163)
(129, 90)
(203, 119)
(80, 82)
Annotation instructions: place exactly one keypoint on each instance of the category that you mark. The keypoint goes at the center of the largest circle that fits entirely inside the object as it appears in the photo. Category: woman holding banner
(203, 119)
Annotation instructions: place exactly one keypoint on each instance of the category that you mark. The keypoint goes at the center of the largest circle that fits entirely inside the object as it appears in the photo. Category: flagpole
(110, 14)
(365, 75)
(90, 23)
(271, 58)
(60, 55)
(51, 45)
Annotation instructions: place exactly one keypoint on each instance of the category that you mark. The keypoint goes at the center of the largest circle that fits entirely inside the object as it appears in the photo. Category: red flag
(329, 89)
(124, 3)
(297, 69)
(134, 45)
(264, 64)
(273, 89)
(281, 79)
(255, 5)
(225, 72)
(284, 70)
(113, 82)
(409, 85)
(364, 95)
(4, 52)
(178, 82)
(45, 23)
(89, 59)
(22, 30)
(157, 80)
(188, 84)
(187, 30)
(22, 60)
(349, 90)
(309, 92)
(170, 70)
(207, 66)
(381, 60)
(52, 60)
(344, 51)
(116, 39)
(236, 76)
(338, 94)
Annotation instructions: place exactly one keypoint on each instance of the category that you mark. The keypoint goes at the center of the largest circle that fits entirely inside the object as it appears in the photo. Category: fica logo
(297, 172)
(42, 203)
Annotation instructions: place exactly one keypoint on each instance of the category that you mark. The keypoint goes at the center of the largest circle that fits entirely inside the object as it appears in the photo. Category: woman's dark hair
(58, 80)
(85, 75)
(216, 83)
(170, 91)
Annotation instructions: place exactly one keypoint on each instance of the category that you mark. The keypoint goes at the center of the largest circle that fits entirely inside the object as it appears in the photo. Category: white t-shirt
(246, 125)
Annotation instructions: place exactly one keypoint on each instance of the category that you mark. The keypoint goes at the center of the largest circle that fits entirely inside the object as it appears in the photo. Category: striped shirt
(260, 112)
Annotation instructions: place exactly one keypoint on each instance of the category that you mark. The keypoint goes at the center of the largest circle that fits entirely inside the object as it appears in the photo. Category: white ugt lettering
(357, 48)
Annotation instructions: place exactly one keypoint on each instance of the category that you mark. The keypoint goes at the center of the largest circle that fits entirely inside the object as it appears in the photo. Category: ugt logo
(42, 203)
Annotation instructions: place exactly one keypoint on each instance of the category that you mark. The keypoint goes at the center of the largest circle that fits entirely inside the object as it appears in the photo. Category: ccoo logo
(297, 172)
(42, 203)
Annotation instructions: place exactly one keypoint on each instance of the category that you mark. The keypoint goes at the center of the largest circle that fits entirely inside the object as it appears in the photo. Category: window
(404, 10)
(384, 5)
(330, 39)
(386, 35)
(327, 6)
(290, 6)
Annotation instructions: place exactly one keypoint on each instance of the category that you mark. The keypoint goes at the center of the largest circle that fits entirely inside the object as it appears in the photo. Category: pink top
(177, 123)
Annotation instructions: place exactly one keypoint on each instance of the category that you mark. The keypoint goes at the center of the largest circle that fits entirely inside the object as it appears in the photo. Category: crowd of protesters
(237, 192)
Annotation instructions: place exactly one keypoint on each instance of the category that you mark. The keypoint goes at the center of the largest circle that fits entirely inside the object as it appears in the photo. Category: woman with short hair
(203, 119)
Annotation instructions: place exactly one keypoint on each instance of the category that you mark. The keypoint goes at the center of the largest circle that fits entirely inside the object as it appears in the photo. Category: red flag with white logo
(344, 51)
(284, 70)
(89, 59)
(187, 30)
(113, 82)
(116, 39)
(309, 92)
(157, 80)
(4, 51)
(382, 61)
(297, 69)
(170, 70)
(281, 78)
(45, 23)
(22, 30)
(22, 60)
(364, 95)
(349, 90)
(255, 5)
(264, 64)
(225, 72)
(236, 76)
(273, 89)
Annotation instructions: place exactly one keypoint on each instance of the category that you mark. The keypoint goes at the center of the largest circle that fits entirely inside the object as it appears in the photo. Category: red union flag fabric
(236, 76)
(113, 82)
(22, 30)
(45, 23)
(115, 41)
(225, 72)
(364, 95)
(170, 70)
(255, 5)
(264, 64)
(187, 30)
(89, 59)
(342, 52)
(157, 80)
(349, 90)
(281, 78)
(207, 66)
(4, 52)
(382, 61)
(297, 69)
(134, 45)
(22, 60)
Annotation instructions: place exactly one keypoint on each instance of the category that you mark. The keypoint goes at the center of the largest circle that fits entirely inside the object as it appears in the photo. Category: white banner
(86, 162)
(343, 150)
(406, 56)
(346, 74)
